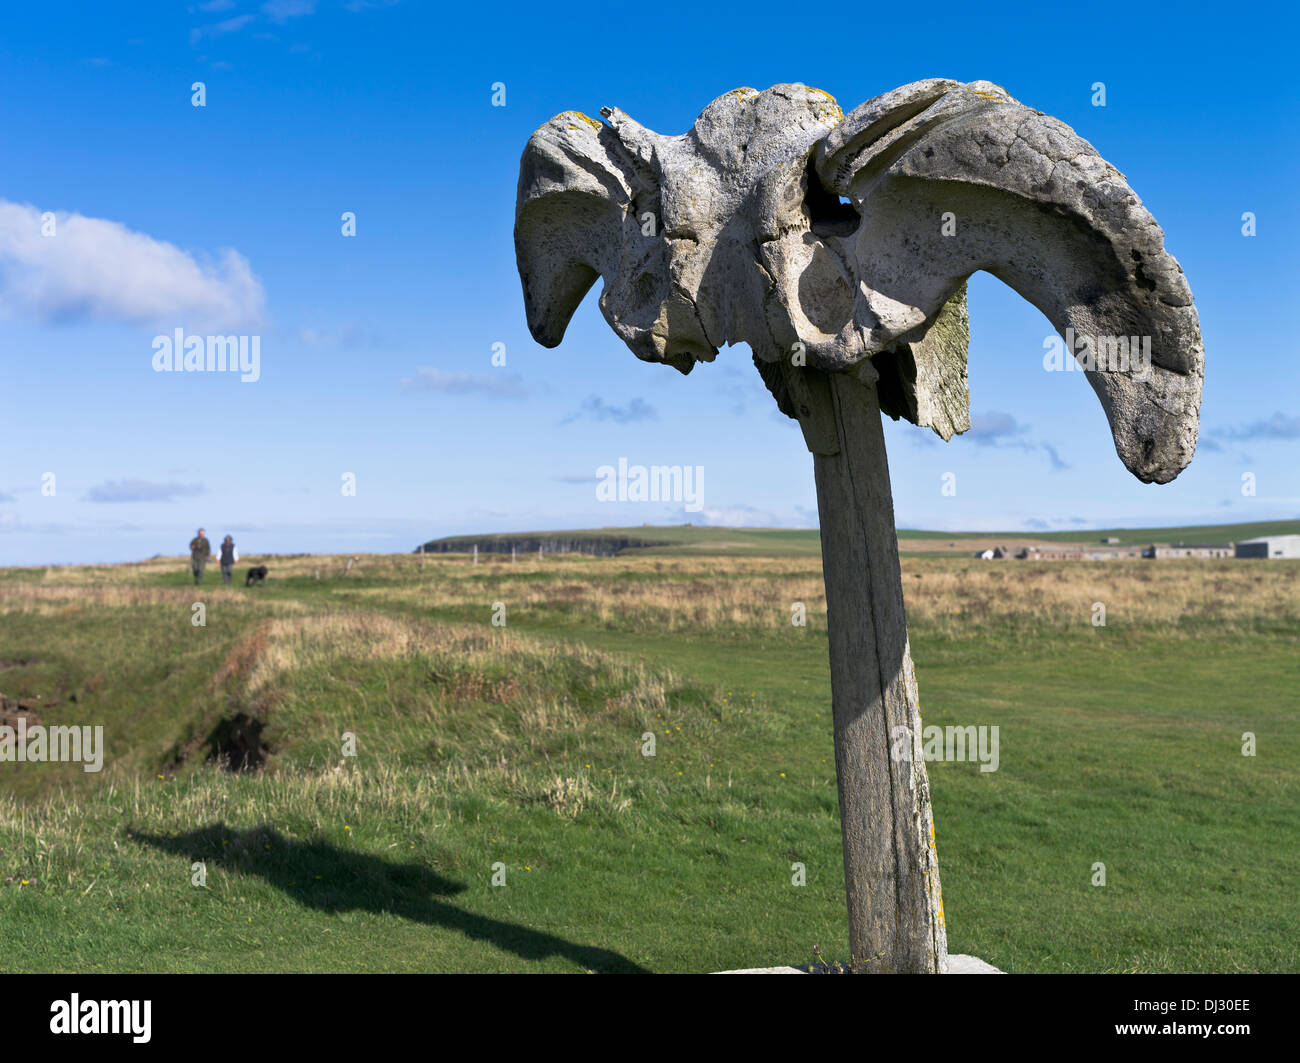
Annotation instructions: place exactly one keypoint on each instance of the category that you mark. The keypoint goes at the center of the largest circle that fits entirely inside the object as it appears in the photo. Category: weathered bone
(820, 240)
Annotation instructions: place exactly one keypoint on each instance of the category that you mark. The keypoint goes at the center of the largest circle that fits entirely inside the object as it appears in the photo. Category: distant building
(1113, 553)
(1270, 546)
(1051, 553)
(1111, 540)
(1078, 553)
(1274, 546)
(1162, 552)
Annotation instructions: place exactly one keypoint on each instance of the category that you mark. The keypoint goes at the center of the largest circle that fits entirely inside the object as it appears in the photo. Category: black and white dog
(257, 574)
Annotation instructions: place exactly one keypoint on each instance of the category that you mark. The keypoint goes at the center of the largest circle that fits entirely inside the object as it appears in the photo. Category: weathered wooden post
(838, 248)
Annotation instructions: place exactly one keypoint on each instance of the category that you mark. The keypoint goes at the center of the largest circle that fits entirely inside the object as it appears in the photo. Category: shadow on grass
(322, 876)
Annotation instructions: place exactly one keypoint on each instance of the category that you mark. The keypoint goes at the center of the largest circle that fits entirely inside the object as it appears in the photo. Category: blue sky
(376, 349)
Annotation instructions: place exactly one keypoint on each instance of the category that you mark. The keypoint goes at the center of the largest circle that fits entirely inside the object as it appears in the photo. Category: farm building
(1270, 546)
(1079, 553)
(1162, 552)
(1051, 553)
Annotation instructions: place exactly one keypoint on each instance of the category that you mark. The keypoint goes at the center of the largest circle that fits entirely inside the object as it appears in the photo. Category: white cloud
(283, 10)
(97, 269)
(349, 335)
(501, 386)
(739, 516)
(599, 410)
(220, 29)
(141, 491)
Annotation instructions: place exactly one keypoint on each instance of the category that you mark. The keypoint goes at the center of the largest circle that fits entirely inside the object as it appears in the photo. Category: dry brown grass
(66, 597)
(691, 593)
(949, 595)
(1161, 594)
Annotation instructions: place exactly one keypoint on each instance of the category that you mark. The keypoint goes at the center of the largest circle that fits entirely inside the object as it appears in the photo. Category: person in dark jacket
(200, 555)
(228, 558)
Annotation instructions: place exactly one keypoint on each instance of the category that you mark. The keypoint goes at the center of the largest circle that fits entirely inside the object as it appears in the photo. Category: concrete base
(956, 965)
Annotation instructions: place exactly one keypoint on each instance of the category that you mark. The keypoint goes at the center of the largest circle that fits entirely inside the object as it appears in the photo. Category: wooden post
(422, 555)
(891, 871)
(476, 553)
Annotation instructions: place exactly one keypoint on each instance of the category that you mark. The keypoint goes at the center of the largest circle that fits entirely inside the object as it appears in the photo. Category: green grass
(479, 746)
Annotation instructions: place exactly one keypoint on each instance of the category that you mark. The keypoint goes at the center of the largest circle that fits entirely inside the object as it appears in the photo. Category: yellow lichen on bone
(563, 118)
(836, 113)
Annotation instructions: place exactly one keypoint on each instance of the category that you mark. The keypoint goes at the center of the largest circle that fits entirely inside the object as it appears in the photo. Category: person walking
(229, 555)
(200, 555)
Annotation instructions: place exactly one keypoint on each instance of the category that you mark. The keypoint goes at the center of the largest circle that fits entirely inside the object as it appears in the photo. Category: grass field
(517, 749)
